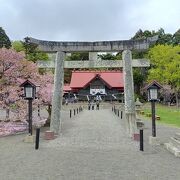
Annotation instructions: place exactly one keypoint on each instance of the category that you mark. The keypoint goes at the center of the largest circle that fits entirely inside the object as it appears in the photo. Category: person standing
(92, 105)
(66, 101)
(89, 105)
(97, 105)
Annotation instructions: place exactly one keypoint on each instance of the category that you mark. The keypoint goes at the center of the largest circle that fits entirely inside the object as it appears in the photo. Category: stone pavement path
(93, 146)
(94, 130)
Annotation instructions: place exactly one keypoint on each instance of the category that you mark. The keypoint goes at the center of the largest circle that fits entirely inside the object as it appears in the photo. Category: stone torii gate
(61, 48)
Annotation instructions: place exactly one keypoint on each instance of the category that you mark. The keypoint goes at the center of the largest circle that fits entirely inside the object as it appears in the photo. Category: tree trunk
(49, 108)
(7, 113)
(177, 99)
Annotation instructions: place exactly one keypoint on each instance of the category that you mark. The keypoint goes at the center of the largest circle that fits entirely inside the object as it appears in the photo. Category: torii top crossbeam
(97, 46)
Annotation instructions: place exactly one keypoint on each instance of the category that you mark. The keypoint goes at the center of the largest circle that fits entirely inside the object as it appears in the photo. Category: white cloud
(86, 19)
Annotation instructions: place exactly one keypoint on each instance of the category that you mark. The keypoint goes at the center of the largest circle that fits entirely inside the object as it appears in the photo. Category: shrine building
(87, 85)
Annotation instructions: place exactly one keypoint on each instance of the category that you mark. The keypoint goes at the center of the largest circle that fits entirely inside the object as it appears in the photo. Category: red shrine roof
(80, 79)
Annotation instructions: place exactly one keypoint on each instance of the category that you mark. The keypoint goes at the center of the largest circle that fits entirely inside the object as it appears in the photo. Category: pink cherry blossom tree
(14, 70)
(45, 93)
(8, 59)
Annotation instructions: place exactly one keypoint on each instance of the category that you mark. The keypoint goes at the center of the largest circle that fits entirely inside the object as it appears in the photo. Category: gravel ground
(92, 146)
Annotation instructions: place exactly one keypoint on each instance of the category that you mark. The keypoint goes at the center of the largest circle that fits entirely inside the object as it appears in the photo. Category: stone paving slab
(93, 146)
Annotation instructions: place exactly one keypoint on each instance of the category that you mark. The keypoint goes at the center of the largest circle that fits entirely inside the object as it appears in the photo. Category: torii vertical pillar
(55, 124)
(93, 56)
(130, 116)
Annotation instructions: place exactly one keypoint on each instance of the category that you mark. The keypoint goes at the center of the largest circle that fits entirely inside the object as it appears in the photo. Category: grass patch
(169, 115)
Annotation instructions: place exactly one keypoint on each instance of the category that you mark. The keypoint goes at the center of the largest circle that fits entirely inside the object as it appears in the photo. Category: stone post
(130, 116)
(55, 124)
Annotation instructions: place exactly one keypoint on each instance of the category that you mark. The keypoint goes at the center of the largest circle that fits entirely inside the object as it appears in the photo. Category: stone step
(175, 142)
(177, 136)
(172, 149)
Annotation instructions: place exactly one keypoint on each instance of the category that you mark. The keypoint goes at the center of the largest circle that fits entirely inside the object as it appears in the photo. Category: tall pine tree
(4, 39)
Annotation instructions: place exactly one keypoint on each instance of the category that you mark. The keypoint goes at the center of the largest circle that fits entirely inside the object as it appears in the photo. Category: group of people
(92, 104)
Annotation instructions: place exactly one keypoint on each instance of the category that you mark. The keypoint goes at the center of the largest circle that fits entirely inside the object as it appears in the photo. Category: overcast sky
(86, 20)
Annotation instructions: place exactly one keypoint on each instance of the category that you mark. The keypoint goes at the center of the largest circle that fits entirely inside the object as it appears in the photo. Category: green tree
(109, 56)
(139, 79)
(176, 37)
(78, 56)
(164, 38)
(67, 75)
(18, 46)
(4, 39)
(143, 34)
(165, 66)
(32, 52)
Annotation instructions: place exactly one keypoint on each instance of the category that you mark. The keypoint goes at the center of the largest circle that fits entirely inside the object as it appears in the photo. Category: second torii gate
(61, 48)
